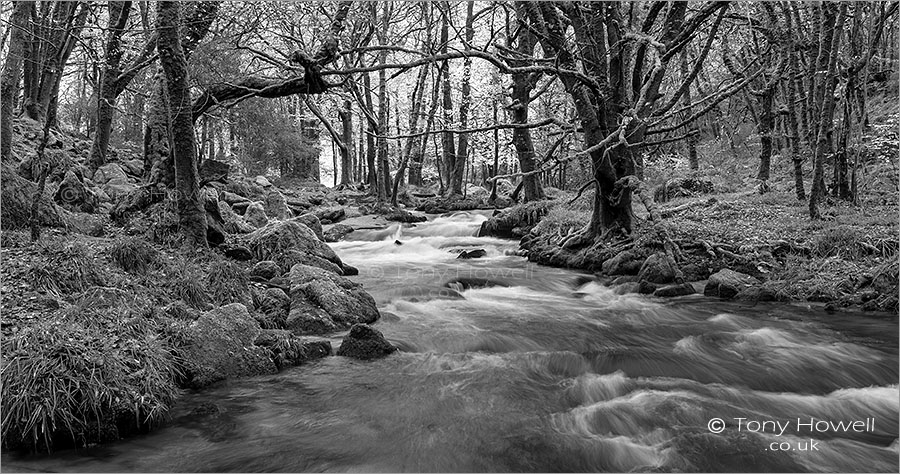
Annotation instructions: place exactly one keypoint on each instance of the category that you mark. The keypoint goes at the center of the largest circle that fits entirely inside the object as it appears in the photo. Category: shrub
(85, 378)
(66, 268)
(841, 241)
(133, 255)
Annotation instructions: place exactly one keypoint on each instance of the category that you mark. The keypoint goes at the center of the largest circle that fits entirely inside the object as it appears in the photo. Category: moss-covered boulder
(288, 243)
(323, 302)
(365, 342)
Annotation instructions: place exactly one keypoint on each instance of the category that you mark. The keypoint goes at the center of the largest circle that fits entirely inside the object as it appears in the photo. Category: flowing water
(509, 366)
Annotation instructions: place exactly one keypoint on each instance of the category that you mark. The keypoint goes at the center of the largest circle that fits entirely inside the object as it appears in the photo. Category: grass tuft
(133, 255)
(68, 268)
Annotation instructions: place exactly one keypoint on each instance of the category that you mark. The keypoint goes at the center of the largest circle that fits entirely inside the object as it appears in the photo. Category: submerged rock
(467, 254)
(323, 301)
(366, 343)
(221, 345)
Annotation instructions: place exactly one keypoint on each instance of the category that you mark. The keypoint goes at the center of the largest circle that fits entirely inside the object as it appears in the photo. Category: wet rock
(337, 232)
(401, 215)
(323, 302)
(213, 170)
(756, 294)
(276, 206)
(220, 345)
(255, 215)
(74, 195)
(467, 254)
(265, 270)
(310, 220)
(647, 288)
(289, 350)
(365, 343)
(619, 280)
(656, 269)
(625, 262)
(350, 270)
(290, 242)
(675, 290)
(728, 283)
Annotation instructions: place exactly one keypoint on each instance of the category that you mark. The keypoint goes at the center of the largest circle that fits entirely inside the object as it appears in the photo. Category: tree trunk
(691, 141)
(766, 101)
(462, 149)
(12, 72)
(830, 40)
(191, 215)
(106, 99)
(346, 115)
(449, 154)
(371, 151)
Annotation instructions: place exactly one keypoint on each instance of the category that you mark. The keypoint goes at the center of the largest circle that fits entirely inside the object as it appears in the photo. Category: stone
(118, 189)
(213, 170)
(74, 195)
(232, 198)
(237, 252)
(220, 345)
(290, 350)
(365, 343)
(337, 232)
(276, 206)
(256, 215)
(647, 288)
(323, 302)
(467, 254)
(262, 181)
(265, 270)
(290, 242)
(625, 262)
(310, 220)
(330, 215)
(756, 294)
(133, 167)
(728, 283)
(669, 291)
(273, 305)
(233, 223)
(110, 172)
(656, 269)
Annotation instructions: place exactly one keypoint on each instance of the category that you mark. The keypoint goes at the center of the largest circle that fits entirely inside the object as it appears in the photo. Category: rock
(290, 350)
(330, 215)
(276, 206)
(74, 195)
(17, 198)
(234, 224)
(350, 270)
(323, 302)
(656, 269)
(756, 294)
(290, 242)
(133, 167)
(220, 345)
(401, 215)
(625, 288)
(466, 254)
(237, 252)
(728, 283)
(337, 232)
(215, 223)
(625, 262)
(682, 187)
(213, 170)
(675, 290)
(365, 343)
(110, 172)
(647, 288)
(310, 220)
(273, 304)
(262, 181)
(265, 270)
(232, 198)
(118, 189)
(256, 215)
(619, 280)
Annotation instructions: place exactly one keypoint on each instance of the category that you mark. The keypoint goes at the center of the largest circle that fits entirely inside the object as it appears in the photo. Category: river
(518, 367)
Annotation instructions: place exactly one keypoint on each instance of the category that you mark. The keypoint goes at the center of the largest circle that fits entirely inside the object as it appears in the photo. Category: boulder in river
(221, 345)
(366, 343)
(656, 269)
(289, 243)
(323, 301)
(310, 220)
(272, 306)
(681, 289)
(467, 254)
(337, 232)
(290, 350)
(728, 283)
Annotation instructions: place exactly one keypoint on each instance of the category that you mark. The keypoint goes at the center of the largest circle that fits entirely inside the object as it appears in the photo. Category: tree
(191, 215)
(106, 99)
(12, 73)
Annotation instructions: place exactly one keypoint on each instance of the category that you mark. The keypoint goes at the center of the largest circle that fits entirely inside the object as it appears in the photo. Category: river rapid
(510, 366)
